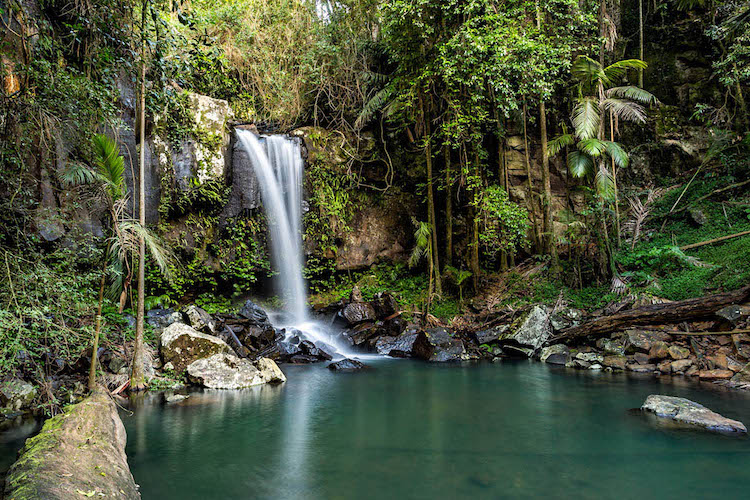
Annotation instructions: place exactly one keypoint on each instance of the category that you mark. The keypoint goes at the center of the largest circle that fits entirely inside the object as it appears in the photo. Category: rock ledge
(688, 412)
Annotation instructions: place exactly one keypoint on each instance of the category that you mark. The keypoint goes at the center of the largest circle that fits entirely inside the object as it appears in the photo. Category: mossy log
(78, 454)
(671, 312)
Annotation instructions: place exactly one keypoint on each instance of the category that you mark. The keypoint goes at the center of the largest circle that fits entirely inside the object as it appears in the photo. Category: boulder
(314, 351)
(638, 340)
(615, 362)
(688, 412)
(590, 357)
(566, 319)
(77, 454)
(491, 334)
(226, 371)
(681, 365)
(614, 346)
(358, 312)
(385, 305)
(362, 332)
(200, 319)
(664, 367)
(659, 350)
(255, 314)
(443, 347)
(676, 352)
(641, 368)
(530, 331)
(181, 345)
(733, 313)
(347, 365)
(407, 345)
(557, 354)
(159, 319)
(715, 374)
(719, 361)
(16, 394)
(641, 358)
(742, 376)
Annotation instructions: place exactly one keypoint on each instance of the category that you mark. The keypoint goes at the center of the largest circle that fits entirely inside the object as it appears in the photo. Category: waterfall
(277, 162)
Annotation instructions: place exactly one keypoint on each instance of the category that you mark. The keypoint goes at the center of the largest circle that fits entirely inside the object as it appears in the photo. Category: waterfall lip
(278, 164)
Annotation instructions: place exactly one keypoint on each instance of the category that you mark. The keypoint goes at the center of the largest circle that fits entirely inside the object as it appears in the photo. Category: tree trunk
(614, 181)
(448, 209)
(642, 54)
(475, 225)
(547, 199)
(672, 312)
(431, 207)
(97, 329)
(532, 203)
(137, 378)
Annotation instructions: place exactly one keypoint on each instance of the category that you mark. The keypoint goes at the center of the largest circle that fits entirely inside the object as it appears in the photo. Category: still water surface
(413, 430)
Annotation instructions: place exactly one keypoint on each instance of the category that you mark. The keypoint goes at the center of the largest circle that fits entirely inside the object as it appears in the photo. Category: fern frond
(586, 118)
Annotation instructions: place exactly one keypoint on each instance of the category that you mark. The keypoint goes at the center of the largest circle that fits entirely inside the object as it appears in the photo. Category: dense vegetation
(527, 129)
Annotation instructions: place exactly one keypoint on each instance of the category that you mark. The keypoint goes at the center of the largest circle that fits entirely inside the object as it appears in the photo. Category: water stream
(278, 164)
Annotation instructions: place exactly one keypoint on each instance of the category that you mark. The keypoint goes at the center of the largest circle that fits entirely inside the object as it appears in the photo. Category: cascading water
(277, 162)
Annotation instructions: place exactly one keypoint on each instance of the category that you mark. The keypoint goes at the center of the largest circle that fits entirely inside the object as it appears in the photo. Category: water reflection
(413, 430)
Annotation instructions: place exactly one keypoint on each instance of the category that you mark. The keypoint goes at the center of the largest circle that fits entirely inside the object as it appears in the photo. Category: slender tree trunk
(642, 54)
(431, 207)
(602, 29)
(448, 208)
(97, 329)
(614, 182)
(532, 201)
(547, 199)
(475, 225)
(137, 378)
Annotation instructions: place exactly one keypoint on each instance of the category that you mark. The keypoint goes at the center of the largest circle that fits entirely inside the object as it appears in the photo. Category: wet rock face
(225, 371)
(78, 454)
(181, 345)
(557, 354)
(442, 347)
(405, 346)
(690, 413)
(200, 320)
(358, 312)
(255, 314)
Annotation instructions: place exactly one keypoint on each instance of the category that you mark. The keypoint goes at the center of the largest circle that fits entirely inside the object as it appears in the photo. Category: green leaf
(616, 70)
(559, 143)
(605, 186)
(592, 147)
(634, 94)
(580, 164)
(586, 118)
(625, 110)
(618, 154)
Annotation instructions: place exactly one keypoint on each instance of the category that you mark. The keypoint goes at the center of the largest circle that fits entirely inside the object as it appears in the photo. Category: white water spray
(280, 171)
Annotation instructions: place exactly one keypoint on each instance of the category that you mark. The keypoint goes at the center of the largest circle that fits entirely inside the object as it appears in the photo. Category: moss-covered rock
(78, 454)
(181, 345)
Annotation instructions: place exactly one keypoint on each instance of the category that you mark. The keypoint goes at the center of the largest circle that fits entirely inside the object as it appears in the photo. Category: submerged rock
(77, 454)
(347, 365)
(688, 412)
(181, 345)
(225, 371)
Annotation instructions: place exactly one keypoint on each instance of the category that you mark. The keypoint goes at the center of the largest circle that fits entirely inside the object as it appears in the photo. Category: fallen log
(671, 312)
(715, 240)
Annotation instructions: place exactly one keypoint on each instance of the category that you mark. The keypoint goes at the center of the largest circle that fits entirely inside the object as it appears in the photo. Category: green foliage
(504, 224)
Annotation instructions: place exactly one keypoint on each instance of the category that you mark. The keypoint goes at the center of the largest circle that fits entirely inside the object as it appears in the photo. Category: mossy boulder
(16, 394)
(78, 454)
(181, 345)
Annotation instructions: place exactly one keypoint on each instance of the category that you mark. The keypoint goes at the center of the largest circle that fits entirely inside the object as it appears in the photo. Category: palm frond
(422, 237)
(605, 186)
(592, 147)
(615, 151)
(110, 166)
(617, 69)
(634, 94)
(586, 118)
(377, 103)
(623, 109)
(76, 174)
(580, 164)
(587, 70)
(132, 231)
(559, 143)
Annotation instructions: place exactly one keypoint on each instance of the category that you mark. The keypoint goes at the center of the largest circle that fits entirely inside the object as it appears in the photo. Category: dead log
(715, 240)
(671, 312)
